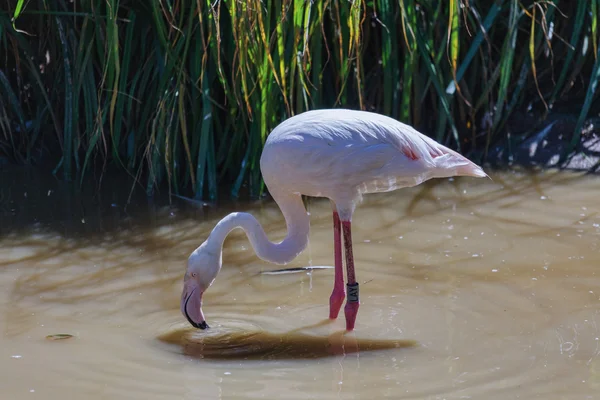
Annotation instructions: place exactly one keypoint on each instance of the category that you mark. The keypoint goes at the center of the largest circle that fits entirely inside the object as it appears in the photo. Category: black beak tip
(202, 325)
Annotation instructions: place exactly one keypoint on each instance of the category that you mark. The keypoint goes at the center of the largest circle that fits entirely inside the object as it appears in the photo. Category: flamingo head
(202, 269)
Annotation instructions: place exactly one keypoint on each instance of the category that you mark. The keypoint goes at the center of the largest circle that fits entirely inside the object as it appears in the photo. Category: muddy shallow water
(470, 288)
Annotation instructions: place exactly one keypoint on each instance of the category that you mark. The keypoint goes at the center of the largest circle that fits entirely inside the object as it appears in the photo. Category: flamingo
(338, 154)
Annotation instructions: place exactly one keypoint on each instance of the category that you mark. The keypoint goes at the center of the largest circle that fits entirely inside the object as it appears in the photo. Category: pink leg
(337, 296)
(352, 304)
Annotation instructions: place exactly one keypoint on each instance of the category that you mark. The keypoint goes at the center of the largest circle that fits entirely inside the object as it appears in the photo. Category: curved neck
(298, 226)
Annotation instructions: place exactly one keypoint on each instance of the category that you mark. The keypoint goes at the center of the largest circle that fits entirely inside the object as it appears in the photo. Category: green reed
(183, 93)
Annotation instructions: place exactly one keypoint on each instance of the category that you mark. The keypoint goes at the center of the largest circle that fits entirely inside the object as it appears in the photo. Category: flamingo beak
(191, 304)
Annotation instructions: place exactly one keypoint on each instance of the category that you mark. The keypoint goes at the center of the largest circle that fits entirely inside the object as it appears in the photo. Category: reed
(182, 93)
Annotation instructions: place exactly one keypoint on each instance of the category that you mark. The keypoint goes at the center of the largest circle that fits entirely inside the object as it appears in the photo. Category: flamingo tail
(454, 164)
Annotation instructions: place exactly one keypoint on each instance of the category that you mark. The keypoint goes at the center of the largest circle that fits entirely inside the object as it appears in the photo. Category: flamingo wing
(330, 152)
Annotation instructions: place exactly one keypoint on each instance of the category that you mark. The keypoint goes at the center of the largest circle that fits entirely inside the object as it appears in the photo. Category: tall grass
(182, 93)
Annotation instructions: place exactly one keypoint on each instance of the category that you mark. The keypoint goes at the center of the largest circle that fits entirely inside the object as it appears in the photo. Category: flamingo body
(343, 154)
(338, 154)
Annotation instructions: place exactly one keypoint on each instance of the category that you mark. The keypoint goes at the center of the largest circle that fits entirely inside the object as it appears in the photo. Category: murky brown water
(469, 288)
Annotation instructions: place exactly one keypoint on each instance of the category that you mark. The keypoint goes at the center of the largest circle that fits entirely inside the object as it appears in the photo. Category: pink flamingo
(338, 154)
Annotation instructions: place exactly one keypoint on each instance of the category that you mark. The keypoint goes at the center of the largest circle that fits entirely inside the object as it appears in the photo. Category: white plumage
(339, 154)
(343, 154)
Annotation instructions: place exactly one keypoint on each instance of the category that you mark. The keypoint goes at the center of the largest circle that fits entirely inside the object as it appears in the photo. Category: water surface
(470, 288)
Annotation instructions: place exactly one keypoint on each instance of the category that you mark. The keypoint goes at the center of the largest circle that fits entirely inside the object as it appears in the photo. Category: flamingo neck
(294, 243)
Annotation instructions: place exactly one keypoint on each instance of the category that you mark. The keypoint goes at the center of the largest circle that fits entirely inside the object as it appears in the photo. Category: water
(469, 289)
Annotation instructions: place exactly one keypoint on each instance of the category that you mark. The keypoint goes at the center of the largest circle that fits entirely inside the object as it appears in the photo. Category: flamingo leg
(337, 296)
(352, 303)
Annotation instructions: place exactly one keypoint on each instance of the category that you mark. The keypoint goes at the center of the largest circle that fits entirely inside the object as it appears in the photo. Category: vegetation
(183, 93)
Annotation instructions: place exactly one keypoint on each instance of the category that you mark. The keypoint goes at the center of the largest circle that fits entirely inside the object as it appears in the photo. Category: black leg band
(352, 292)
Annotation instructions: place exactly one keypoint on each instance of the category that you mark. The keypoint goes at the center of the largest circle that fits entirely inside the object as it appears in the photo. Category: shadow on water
(262, 345)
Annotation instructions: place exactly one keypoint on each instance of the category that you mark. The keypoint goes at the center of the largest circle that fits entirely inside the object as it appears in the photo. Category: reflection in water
(469, 289)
